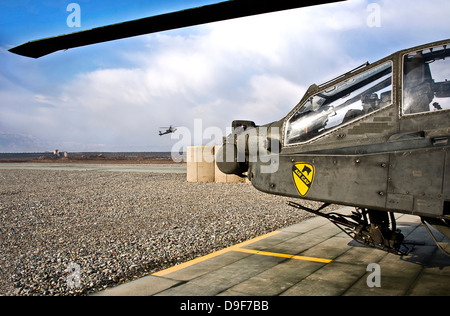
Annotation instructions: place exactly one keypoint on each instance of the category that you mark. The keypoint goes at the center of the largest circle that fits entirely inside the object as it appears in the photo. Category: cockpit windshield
(425, 80)
(340, 104)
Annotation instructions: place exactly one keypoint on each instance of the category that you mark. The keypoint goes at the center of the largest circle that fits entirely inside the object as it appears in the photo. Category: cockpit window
(340, 104)
(425, 81)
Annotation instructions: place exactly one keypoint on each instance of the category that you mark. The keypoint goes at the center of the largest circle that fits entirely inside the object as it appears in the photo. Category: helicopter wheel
(381, 232)
(372, 228)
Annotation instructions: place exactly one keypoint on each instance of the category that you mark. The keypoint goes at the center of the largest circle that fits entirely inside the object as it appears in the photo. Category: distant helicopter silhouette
(169, 130)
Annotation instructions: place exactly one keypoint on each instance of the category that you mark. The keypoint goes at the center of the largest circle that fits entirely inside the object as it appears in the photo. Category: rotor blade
(195, 16)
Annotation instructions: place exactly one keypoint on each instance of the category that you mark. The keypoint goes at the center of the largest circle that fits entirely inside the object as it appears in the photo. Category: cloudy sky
(114, 96)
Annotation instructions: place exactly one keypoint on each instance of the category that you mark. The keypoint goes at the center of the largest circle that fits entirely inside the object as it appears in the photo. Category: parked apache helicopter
(376, 138)
(169, 130)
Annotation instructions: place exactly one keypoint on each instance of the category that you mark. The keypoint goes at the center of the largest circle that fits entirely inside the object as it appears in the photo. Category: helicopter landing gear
(381, 232)
(372, 228)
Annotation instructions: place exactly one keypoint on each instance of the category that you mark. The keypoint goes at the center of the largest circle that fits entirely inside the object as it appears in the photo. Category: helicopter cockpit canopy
(425, 80)
(344, 102)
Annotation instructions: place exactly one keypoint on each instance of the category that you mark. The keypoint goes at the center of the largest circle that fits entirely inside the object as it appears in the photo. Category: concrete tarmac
(310, 258)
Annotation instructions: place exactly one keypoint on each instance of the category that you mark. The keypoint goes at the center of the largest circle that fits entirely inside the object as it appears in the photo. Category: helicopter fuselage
(375, 137)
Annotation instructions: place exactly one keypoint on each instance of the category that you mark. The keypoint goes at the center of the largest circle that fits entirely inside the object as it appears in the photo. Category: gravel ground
(77, 232)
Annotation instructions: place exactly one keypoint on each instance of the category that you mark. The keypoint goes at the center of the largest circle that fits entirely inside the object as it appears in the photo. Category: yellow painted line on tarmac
(212, 255)
(283, 255)
(238, 247)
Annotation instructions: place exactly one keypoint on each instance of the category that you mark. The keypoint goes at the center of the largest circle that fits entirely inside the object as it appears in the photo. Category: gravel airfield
(78, 232)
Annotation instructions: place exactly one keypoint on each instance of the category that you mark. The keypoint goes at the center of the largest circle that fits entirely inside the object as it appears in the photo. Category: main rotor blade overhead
(169, 21)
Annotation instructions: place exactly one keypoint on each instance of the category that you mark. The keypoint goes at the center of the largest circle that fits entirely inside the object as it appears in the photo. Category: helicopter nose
(227, 162)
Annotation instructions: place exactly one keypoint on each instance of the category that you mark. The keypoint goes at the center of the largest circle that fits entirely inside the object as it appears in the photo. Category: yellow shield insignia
(303, 174)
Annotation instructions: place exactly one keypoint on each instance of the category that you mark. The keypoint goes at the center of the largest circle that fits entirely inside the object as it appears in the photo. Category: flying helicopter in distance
(169, 130)
(375, 138)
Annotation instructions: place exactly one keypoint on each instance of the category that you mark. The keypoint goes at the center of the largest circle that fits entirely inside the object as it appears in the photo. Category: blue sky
(114, 96)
